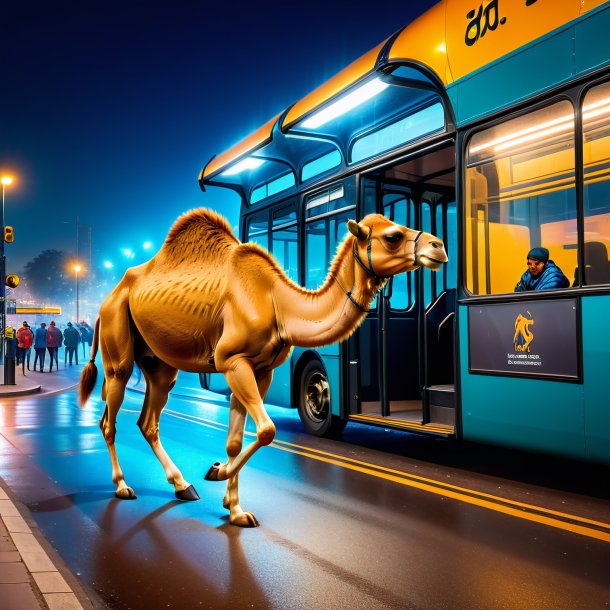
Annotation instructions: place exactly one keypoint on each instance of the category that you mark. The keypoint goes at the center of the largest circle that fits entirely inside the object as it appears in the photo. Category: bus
(488, 125)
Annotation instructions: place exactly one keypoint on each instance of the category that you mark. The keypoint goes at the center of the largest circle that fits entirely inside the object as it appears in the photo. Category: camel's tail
(89, 375)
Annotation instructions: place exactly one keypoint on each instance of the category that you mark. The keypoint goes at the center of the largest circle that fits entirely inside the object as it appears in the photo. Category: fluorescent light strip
(534, 136)
(544, 129)
(345, 104)
(564, 122)
(244, 165)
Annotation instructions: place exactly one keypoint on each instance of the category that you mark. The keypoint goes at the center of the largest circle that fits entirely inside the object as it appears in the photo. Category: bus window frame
(573, 94)
(306, 198)
(582, 95)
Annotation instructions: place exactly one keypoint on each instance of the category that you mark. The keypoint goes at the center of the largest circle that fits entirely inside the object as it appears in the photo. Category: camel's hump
(203, 223)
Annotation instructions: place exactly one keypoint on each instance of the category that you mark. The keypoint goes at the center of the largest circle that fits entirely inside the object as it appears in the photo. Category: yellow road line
(529, 512)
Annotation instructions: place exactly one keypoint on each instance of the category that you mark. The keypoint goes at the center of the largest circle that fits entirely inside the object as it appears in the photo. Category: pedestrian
(86, 336)
(25, 340)
(54, 341)
(40, 345)
(19, 335)
(71, 340)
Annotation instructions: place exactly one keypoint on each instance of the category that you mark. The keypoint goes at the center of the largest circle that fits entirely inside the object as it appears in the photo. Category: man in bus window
(542, 273)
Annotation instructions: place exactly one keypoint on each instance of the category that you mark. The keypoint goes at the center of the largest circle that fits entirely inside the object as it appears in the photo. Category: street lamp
(5, 180)
(76, 268)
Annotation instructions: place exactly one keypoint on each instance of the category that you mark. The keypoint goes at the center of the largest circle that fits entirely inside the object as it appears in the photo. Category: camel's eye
(393, 238)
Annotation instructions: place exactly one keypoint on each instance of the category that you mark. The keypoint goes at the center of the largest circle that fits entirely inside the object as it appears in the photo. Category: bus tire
(314, 402)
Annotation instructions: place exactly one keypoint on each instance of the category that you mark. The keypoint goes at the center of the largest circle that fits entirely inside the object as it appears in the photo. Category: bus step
(441, 399)
(441, 395)
(411, 426)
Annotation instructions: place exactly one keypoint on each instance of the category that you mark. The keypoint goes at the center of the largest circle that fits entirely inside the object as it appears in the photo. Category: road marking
(559, 520)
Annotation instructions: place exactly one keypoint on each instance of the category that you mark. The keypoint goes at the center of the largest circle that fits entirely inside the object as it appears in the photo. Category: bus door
(437, 299)
(384, 361)
(401, 359)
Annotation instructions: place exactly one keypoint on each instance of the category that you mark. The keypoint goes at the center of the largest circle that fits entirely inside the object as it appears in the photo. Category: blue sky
(110, 109)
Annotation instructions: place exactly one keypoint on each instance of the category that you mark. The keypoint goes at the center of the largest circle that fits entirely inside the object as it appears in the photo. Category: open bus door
(401, 359)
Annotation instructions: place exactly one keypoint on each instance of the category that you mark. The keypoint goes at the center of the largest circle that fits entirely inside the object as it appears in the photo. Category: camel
(231, 309)
(523, 335)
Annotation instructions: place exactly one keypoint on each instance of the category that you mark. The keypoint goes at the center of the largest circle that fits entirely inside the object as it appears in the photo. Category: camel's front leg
(247, 391)
(237, 421)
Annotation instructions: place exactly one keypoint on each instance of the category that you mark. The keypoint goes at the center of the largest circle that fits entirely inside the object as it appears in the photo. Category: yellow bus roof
(452, 39)
(347, 77)
(255, 140)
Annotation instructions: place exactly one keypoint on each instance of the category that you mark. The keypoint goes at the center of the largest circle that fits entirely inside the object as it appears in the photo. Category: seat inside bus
(597, 265)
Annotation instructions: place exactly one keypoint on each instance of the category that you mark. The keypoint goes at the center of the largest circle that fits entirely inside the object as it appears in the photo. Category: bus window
(520, 193)
(324, 230)
(284, 241)
(451, 246)
(321, 165)
(258, 229)
(596, 158)
(413, 127)
(439, 232)
(395, 208)
(426, 226)
(272, 188)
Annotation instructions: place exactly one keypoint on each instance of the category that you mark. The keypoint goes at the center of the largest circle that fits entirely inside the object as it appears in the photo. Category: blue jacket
(40, 338)
(551, 277)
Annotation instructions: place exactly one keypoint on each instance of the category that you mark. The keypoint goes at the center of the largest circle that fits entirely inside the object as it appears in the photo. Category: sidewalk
(32, 575)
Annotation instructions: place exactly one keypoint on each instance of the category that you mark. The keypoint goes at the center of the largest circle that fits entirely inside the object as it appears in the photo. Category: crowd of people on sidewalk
(49, 340)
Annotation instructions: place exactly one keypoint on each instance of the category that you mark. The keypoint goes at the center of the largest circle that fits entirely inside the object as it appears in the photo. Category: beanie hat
(539, 254)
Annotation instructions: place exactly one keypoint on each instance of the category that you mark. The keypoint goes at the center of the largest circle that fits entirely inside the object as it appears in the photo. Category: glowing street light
(108, 264)
(147, 245)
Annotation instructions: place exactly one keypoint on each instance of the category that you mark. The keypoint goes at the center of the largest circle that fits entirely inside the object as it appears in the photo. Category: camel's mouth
(429, 262)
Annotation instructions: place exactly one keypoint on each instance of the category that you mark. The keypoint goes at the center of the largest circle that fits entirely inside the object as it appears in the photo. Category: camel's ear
(356, 229)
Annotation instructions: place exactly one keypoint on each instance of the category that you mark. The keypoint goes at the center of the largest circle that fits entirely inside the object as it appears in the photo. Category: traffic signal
(12, 280)
(9, 235)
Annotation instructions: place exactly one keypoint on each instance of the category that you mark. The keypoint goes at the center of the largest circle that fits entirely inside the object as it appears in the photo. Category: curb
(20, 392)
(47, 587)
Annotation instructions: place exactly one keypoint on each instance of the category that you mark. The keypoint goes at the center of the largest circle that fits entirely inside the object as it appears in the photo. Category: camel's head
(386, 248)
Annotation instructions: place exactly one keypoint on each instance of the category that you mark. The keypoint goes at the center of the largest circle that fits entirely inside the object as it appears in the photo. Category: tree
(47, 277)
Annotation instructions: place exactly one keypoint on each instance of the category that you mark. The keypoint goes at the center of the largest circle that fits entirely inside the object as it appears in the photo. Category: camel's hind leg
(116, 345)
(160, 379)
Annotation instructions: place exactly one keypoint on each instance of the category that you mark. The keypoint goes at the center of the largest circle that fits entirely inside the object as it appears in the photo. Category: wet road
(423, 523)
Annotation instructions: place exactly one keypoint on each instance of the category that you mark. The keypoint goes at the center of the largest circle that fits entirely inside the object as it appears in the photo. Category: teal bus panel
(279, 392)
(530, 414)
(567, 53)
(511, 79)
(596, 346)
(591, 40)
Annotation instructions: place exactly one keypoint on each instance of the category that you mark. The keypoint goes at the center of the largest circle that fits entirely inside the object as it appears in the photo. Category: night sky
(110, 109)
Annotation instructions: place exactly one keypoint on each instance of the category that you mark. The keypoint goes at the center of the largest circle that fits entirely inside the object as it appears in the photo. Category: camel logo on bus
(523, 335)
(487, 17)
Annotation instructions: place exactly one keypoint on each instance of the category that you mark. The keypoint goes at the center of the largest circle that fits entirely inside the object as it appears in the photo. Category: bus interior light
(246, 164)
(542, 130)
(345, 104)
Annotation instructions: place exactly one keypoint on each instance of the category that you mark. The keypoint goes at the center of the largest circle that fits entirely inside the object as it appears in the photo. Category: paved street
(421, 524)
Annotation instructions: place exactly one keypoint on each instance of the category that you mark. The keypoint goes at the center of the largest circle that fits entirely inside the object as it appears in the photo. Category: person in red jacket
(54, 340)
(25, 339)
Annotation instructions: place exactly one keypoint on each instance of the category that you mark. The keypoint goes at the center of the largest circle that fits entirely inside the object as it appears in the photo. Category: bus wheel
(314, 403)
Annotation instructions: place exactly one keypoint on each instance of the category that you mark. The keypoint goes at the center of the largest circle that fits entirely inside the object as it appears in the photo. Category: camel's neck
(325, 316)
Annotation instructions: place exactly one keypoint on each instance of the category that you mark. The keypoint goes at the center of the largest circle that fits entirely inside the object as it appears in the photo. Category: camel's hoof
(126, 494)
(212, 473)
(188, 494)
(245, 520)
